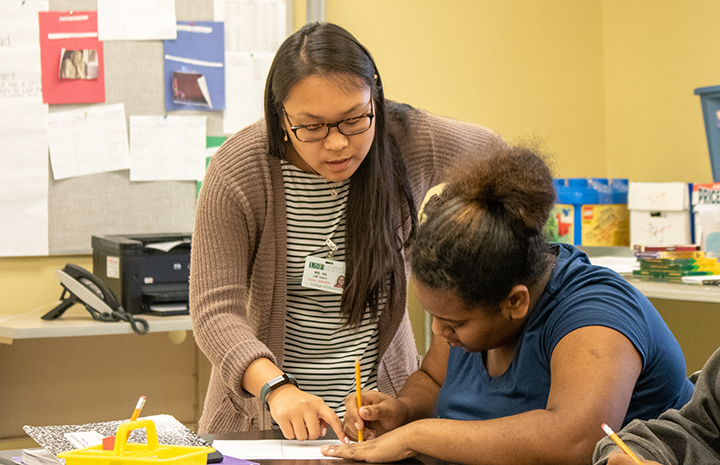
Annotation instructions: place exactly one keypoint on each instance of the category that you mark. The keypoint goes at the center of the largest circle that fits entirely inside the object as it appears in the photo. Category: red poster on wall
(71, 57)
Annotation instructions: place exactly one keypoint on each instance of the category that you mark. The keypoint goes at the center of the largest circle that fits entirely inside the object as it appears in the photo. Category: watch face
(277, 381)
(281, 381)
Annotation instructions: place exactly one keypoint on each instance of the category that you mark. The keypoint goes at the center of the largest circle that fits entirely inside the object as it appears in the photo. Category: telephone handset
(85, 288)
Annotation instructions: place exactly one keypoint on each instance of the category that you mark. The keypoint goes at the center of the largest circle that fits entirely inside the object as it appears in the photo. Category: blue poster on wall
(195, 67)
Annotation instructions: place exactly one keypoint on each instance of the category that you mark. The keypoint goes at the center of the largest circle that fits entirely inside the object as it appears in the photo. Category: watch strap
(275, 383)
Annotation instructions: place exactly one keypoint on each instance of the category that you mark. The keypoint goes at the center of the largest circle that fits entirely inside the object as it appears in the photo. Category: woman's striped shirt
(319, 352)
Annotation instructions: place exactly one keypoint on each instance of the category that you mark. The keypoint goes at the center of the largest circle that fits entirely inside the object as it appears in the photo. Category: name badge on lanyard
(324, 274)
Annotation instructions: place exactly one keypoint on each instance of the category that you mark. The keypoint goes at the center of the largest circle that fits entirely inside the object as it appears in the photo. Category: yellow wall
(656, 55)
(28, 283)
(522, 68)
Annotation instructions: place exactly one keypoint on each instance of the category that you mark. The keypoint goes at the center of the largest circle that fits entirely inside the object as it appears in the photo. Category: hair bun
(512, 183)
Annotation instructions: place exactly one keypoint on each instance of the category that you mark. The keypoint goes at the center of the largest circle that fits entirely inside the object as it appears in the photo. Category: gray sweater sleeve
(690, 435)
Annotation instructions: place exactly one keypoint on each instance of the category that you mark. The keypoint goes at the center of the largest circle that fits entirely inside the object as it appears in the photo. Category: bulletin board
(108, 203)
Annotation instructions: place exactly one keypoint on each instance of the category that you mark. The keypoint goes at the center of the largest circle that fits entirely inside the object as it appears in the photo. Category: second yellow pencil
(620, 442)
(358, 388)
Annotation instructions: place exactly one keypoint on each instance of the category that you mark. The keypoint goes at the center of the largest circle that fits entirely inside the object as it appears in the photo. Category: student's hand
(301, 415)
(621, 458)
(379, 414)
(390, 447)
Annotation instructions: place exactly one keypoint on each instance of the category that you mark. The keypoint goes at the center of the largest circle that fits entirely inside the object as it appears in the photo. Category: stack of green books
(672, 266)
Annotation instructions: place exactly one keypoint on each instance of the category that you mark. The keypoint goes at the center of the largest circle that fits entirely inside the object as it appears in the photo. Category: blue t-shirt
(578, 294)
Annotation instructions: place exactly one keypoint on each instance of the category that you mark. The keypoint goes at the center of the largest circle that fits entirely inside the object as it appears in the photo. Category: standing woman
(533, 348)
(326, 185)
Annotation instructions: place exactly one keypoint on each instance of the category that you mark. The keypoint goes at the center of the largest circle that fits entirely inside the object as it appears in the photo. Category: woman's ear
(517, 303)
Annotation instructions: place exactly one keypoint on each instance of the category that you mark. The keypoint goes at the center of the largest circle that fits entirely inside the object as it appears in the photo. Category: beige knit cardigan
(237, 278)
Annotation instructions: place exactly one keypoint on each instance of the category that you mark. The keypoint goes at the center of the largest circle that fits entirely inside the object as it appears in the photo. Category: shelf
(654, 289)
(674, 291)
(78, 322)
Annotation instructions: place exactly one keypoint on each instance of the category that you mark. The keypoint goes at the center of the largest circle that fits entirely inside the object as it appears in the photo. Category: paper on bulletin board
(244, 99)
(136, 19)
(194, 67)
(252, 25)
(167, 148)
(88, 140)
(72, 57)
(23, 158)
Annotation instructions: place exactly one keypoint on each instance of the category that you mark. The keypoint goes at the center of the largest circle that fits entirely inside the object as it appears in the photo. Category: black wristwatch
(273, 384)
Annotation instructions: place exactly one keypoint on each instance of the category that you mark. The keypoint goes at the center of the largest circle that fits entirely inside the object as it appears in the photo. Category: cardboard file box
(659, 213)
(706, 212)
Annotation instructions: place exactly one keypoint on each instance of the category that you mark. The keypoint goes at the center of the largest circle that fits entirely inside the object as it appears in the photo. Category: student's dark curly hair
(484, 233)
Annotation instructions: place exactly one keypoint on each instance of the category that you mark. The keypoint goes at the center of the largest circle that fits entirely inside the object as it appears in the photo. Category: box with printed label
(591, 212)
(706, 210)
(659, 213)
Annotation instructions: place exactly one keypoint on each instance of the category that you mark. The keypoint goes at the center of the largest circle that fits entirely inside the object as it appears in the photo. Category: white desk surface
(672, 291)
(76, 321)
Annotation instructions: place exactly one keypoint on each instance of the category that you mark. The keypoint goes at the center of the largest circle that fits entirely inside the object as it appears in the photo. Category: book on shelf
(669, 255)
(713, 280)
(666, 248)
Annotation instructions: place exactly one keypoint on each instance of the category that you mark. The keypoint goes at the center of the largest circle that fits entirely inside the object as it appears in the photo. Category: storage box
(590, 212)
(706, 211)
(659, 213)
(710, 103)
(126, 453)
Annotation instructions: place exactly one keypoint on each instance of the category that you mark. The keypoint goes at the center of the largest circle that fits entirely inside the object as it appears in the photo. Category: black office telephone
(82, 287)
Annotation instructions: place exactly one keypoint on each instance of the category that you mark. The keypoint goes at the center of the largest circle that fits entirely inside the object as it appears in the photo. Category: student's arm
(381, 413)
(594, 370)
(686, 436)
(420, 391)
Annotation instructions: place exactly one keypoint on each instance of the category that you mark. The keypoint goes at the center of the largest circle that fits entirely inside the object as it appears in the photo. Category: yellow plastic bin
(152, 453)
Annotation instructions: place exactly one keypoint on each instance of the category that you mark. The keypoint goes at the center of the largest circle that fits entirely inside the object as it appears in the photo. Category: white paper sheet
(23, 158)
(274, 449)
(244, 98)
(252, 25)
(167, 148)
(621, 265)
(136, 19)
(88, 140)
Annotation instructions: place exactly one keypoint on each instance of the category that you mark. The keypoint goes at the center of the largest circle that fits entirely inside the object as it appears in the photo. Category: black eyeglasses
(347, 127)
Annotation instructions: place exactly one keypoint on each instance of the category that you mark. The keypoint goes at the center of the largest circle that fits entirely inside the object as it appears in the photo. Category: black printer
(149, 273)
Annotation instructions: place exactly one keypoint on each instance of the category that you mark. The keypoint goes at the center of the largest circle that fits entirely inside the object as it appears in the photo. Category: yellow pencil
(620, 442)
(136, 413)
(138, 408)
(358, 387)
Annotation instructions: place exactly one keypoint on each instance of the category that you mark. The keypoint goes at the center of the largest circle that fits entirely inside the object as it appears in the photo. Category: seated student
(690, 435)
(533, 347)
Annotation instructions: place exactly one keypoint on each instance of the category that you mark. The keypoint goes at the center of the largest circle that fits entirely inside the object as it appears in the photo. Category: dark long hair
(380, 202)
(484, 233)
